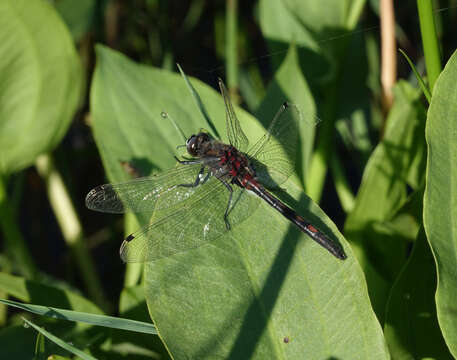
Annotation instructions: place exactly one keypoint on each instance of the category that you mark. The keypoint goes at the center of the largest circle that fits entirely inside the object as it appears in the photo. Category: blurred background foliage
(261, 49)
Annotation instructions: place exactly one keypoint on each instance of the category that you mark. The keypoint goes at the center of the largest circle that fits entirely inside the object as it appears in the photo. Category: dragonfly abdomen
(299, 221)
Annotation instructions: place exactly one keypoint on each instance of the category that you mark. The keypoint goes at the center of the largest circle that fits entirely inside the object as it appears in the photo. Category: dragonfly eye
(196, 143)
(191, 145)
(189, 140)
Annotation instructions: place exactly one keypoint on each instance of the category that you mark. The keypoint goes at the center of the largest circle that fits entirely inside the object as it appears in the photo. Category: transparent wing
(274, 155)
(235, 134)
(141, 195)
(198, 221)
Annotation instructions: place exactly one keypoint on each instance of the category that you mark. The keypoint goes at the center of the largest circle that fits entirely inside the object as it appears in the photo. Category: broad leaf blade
(281, 28)
(40, 82)
(440, 199)
(266, 291)
(289, 85)
(78, 15)
(127, 101)
(382, 192)
(411, 328)
(326, 14)
(262, 289)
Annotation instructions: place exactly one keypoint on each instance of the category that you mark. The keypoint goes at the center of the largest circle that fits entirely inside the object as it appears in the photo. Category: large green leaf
(40, 81)
(326, 14)
(264, 290)
(289, 83)
(411, 326)
(311, 25)
(281, 28)
(16, 342)
(78, 15)
(383, 191)
(440, 200)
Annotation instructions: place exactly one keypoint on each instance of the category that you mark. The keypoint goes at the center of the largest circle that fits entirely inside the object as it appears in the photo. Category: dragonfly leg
(189, 162)
(229, 203)
(198, 179)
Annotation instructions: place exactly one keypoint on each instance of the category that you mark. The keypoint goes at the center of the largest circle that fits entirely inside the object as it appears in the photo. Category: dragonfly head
(196, 143)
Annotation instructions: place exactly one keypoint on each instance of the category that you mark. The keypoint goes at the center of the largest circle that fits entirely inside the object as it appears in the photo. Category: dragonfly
(212, 190)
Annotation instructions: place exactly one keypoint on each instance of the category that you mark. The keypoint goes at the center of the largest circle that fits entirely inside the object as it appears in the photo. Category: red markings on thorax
(233, 161)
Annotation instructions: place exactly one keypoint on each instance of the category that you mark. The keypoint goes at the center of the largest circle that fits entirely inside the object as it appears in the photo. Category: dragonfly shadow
(138, 167)
(252, 329)
(253, 326)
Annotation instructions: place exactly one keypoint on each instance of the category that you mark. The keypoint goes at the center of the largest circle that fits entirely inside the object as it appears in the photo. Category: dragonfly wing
(235, 134)
(195, 223)
(274, 155)
(141, 195)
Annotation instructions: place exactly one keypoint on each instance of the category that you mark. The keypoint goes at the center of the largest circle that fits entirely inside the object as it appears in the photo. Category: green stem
(342, 187)
(14, 241)
(231, 46)
(429, 40)
(323, 153)
(70, 226)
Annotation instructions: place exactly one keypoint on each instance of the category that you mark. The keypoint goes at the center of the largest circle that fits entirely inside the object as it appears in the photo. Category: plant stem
(70, 226)
(15, 243)
(342, 187)
(231, 25)
(388, 52)
(429, 40)
(324, 148)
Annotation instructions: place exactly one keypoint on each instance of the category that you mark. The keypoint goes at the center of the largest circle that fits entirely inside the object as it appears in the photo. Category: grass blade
(60, 342)
(95, 319)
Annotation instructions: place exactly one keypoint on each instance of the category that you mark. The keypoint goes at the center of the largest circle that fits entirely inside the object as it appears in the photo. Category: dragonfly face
(197, 144)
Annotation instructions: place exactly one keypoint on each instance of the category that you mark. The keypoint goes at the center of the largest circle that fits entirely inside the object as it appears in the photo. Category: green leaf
(353, 109)
(78, 15)
(421, 82)
(40, 81)
(132, 305)
(383, 191)
(38, 293)
(411, 327)
(94, 319)
(440, 199)
(40, 348)
(322, 15)
(262, 289)
(16, 342)
(199, 103)
(312, 26)
(289, 84)
(281, 28)
(60, 342)
(127, 101)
